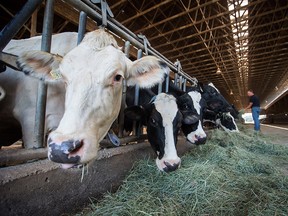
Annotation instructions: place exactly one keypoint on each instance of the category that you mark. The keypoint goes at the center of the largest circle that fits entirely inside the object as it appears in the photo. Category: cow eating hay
(232, 174)
(93, 73)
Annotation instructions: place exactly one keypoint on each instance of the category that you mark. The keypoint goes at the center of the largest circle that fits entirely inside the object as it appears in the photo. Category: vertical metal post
(159, 88)
(184, 84)
(136, 96)
(82, 26)
(42, 87)
(11, 29)
(124, 90)
(167, 82)
(180, 82)
(137, 131)
(176, 79)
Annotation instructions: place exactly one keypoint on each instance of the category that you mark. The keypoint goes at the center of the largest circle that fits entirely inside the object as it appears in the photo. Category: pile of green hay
(232, 174)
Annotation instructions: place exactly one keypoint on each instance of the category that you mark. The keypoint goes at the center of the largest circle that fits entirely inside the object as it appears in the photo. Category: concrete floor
(279, 133)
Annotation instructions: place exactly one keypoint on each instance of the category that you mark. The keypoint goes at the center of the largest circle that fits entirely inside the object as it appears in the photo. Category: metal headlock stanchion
(122, 31)
(87, 8)
(82, 26)
(39, 129)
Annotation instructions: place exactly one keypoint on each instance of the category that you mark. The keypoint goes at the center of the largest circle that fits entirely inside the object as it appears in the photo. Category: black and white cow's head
(214, 99)
(163, 121)
(227, 122)
(192, 104)
(93, 73)
(218, 109)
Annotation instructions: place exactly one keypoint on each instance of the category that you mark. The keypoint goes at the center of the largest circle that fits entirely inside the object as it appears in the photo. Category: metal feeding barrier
(86, 8)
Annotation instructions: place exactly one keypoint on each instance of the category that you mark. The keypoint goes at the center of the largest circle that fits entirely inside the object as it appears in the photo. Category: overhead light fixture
(218, 71)
(231, 92)
(276, 88)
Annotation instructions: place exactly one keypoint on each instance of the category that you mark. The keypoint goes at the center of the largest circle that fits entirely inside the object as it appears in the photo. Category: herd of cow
(84, 99)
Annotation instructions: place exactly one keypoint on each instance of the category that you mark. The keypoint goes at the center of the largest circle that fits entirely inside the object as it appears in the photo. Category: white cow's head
(93, 73)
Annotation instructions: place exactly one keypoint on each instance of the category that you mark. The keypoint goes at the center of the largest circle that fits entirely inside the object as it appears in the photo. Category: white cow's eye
(117, 78)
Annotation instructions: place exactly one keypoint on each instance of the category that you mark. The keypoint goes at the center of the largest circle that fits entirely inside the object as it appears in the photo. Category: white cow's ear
(146, 72)
(41, 65)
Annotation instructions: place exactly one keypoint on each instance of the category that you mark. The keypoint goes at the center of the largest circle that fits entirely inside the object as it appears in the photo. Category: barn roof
(236, 44)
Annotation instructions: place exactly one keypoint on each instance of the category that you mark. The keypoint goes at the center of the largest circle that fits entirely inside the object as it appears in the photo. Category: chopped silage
(232, 174)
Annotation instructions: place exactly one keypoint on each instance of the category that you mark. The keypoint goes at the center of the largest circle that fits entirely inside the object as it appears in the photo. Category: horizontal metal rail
(124, 33)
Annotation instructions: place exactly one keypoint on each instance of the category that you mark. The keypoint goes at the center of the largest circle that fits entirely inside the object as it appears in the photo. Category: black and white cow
(163, 119)
(191, 103)
(194, 102)
(218, 110)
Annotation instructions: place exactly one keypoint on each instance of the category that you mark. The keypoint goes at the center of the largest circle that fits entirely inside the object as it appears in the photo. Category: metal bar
(184, 85)
(137, 131)
(42, 86)
(82, 26)
(180, 82)
(123, 32)
(167, 82)
(159, 88)
(124, 140)
(11, 29)
(136, 96)
(124, 90)
(9, 59)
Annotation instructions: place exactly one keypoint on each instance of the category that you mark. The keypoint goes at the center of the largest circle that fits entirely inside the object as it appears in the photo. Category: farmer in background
(254, 104)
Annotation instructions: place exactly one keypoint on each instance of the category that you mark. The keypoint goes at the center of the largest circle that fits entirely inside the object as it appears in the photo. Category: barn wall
(278, 112)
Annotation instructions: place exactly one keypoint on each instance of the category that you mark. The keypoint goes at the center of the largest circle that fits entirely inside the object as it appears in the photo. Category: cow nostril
(65, 152)
(77, 145)
(169, 167)
(200, 140)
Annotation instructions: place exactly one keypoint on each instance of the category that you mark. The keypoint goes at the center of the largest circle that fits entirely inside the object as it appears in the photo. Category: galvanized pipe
(176, 79)
(137, 131)
(184, 84)
(123, 140)
(42, 86)
(122, 31)
(124, 90)
(82, 26)
(11, 29)
(167, 82)
(180, 82)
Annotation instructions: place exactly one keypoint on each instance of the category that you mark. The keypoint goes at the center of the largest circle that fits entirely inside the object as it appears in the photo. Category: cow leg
(27, 121)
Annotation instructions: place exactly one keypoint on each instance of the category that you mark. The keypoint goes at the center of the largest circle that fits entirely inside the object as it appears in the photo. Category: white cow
(93, 73)
(17, 109)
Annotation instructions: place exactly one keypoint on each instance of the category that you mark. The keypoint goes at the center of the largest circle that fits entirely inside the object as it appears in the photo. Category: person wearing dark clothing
(254, 104)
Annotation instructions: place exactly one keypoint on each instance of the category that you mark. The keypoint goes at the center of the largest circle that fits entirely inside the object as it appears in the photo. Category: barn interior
(235, 44)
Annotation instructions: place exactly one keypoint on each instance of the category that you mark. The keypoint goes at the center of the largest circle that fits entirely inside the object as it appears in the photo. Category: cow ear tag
(55, 74)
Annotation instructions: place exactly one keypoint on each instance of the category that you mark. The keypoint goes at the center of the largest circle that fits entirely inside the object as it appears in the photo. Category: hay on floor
(232, 174)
